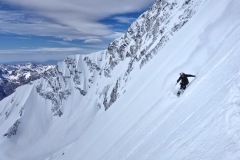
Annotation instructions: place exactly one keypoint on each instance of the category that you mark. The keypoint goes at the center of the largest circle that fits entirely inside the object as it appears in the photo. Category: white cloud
(124, 19)
(50, 50)
(93, 41)
(65, 19)
(39, 54)
(75, 19)
(114, 35)
(16, 23)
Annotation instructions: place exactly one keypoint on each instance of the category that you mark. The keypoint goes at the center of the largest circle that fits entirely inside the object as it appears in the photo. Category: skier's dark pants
(183, 86)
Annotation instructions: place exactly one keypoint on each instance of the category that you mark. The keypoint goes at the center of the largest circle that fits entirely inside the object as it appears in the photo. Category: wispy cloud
(121, 19)
(16, 23)
(64, 24)
(40, 50)
(39, 54)
(93, 41)
(67, 19)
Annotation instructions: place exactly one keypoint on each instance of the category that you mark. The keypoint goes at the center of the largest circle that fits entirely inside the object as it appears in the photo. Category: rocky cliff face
(13, 76)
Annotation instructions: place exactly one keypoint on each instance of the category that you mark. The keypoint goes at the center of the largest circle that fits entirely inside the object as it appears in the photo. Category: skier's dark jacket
(184, 78)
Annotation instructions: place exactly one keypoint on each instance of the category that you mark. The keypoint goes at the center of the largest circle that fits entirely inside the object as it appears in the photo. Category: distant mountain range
(13, 76)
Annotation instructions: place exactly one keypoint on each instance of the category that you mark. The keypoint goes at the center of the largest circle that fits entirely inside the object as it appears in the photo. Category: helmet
(181, 74)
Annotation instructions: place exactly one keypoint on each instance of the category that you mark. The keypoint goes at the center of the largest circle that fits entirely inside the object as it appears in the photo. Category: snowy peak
(151, 31)
(15, 72)
(13, 76)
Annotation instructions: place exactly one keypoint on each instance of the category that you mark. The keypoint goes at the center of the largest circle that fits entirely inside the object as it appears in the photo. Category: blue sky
(51, 30)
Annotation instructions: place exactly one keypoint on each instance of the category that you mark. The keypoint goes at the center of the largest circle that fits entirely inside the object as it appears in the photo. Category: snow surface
(148, 122)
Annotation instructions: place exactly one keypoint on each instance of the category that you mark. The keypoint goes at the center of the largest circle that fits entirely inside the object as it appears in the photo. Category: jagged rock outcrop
(13, 129)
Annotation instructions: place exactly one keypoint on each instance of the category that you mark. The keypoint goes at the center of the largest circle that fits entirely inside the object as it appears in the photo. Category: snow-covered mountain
(120, 104)
(13, 76)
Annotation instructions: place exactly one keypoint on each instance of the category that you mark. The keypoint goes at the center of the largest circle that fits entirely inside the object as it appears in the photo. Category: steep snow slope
(147, 123)
(144, 118)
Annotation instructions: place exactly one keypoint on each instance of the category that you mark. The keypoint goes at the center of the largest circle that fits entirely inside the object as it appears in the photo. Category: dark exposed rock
(12, 130)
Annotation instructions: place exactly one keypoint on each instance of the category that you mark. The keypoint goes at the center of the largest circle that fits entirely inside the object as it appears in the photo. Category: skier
(184, 81)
